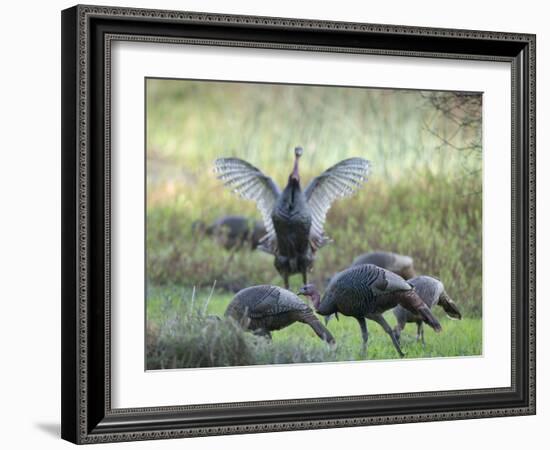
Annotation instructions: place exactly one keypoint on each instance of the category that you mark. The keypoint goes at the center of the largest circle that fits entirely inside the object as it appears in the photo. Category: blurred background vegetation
(423, 199)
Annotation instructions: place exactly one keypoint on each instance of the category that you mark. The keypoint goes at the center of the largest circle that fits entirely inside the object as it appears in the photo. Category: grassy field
(184, 333)
(423, 199)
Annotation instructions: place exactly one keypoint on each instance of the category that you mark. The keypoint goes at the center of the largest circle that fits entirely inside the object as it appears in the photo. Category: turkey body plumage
(367, 291)
(432, 292)
(292, 224)
(267, 308)
(402, 265)
(293, 218)
(232, 231)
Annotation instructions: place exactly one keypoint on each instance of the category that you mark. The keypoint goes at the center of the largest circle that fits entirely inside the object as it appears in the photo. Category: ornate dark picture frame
(87, 34)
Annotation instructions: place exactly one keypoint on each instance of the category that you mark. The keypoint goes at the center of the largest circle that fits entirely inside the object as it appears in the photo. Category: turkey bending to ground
(367, 291)
(233, 231)
(263, 309)
(400, 264)
(432, 292)
(294, 219)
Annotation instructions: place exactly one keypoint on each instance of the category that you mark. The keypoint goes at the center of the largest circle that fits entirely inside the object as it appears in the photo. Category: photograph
(290, 223)
(273, 222)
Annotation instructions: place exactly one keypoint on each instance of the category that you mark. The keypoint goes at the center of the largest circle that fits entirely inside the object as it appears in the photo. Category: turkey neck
(321, 309)
(294, 180)
(292, 201)
(315, 299)
(295, 174)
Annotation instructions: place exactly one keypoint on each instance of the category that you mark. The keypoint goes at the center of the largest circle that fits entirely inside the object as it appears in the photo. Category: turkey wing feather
(250, 183)
(340, 180)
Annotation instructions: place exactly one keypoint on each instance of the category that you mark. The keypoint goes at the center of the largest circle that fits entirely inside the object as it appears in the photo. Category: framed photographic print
(279, 224)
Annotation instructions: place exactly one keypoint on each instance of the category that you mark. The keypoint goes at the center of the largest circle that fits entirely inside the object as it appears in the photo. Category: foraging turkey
(266, 308)
(400, 264)
(232, 231)
(432, 292)
(294, 219)
(367, 291)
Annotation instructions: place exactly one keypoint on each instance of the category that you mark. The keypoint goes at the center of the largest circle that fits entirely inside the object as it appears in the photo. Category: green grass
(183, 333)
(423, 199)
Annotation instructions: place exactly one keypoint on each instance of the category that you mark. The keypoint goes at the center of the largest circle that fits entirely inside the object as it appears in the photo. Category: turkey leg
(420, 333)
(365, 334)
(379, 318)
(285, 278)
(397, 331)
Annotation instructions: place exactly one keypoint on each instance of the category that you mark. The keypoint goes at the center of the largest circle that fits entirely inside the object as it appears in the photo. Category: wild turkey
(263, 309)
(400, 264)
(367, 291)
(294, 219)
(432, 292)
(232, 231)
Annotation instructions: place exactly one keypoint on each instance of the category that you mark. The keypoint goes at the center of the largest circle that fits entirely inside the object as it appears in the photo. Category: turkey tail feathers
(449, 306)
(412, 302)
(429, 318)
